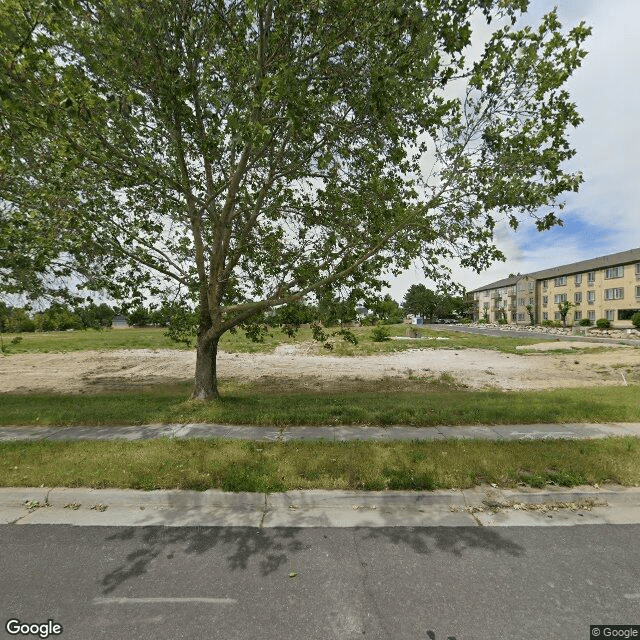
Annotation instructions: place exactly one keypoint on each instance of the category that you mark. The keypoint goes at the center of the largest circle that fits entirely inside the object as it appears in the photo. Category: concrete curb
(313, 498)
(479, 506)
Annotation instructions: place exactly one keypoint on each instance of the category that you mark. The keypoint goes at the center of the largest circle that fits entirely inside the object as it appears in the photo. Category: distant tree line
(327, 311)
(58, 317)
(62, 317)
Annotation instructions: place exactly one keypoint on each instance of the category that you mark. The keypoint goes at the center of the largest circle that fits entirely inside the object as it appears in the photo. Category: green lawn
(268, 467)
(153, 338)
(90, 339)
(386, 402)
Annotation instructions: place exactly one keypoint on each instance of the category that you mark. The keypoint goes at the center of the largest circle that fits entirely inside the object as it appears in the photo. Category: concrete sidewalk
(572, 431)
(477, 507)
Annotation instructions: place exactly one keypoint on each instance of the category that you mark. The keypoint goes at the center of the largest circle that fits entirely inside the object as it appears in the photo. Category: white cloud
(607, 93)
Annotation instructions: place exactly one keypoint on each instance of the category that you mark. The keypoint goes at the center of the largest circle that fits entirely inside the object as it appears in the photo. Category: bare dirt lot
(86, 371)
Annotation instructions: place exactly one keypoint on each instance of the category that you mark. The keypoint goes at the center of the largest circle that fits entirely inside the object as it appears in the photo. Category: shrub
(139, 317)
(47, 324)
(482, 321)
(27, 325)
(585, 322)
(547, 323)
(635, 319)
(380, 334)
(602, 323)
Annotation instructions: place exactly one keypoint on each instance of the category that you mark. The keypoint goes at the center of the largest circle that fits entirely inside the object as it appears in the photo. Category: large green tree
(421, 301)
(243, 154)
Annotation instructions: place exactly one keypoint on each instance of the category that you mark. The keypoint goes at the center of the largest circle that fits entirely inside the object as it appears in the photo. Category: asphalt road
(520, 583)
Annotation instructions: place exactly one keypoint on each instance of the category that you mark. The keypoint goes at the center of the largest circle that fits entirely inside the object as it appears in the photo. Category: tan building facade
(605, 287)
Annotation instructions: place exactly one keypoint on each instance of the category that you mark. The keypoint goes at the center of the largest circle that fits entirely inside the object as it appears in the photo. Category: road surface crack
(265, 510)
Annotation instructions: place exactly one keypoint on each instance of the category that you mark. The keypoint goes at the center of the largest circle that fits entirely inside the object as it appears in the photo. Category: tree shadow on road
(272, 547)
(454, 540)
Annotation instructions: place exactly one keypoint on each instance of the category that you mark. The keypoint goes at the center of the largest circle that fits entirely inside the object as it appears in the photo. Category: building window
(591, 277)
(637, 269)
(531, 285)
(520, 317)
(591, 315)
(609, 314)
(545, 315)
(545, 300)
(577, 297)
(486, 294)
(557, 316)
(521, 302)
(614, 294)
(627, 314)
(531, 301)
(591, 297)
(577, 316)
(545, 284)
(560, 297)
(560, 281)
(614, 272)
(637, 291)
(578, 278)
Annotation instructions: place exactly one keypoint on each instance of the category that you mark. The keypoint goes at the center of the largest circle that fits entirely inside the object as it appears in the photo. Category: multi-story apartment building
(606, 287)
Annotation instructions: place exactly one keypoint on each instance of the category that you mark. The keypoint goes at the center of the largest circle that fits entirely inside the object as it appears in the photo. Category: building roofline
(612, 259)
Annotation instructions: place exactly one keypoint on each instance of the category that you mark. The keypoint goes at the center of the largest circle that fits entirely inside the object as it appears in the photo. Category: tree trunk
(206, 381)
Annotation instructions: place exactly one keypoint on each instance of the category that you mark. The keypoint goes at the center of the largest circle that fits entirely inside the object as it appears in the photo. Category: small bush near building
(602, 323)
(585, 322)
(635, 320)
(547, 323)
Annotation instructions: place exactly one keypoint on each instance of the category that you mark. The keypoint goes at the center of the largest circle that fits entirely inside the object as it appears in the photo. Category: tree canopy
(426, 303)
(244, 154)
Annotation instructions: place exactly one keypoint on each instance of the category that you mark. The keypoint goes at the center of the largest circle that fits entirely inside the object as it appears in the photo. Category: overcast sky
(604, 217)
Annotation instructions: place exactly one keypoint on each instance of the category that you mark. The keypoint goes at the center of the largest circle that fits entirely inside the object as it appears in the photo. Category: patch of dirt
(86, 371)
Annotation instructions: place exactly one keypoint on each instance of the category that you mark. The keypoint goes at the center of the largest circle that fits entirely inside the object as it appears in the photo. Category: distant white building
(362, 312)
(119, 322)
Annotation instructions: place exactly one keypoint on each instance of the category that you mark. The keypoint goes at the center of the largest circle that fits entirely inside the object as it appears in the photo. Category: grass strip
(154, 338)
(269, 467)
(87, 340)
(436, 404)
